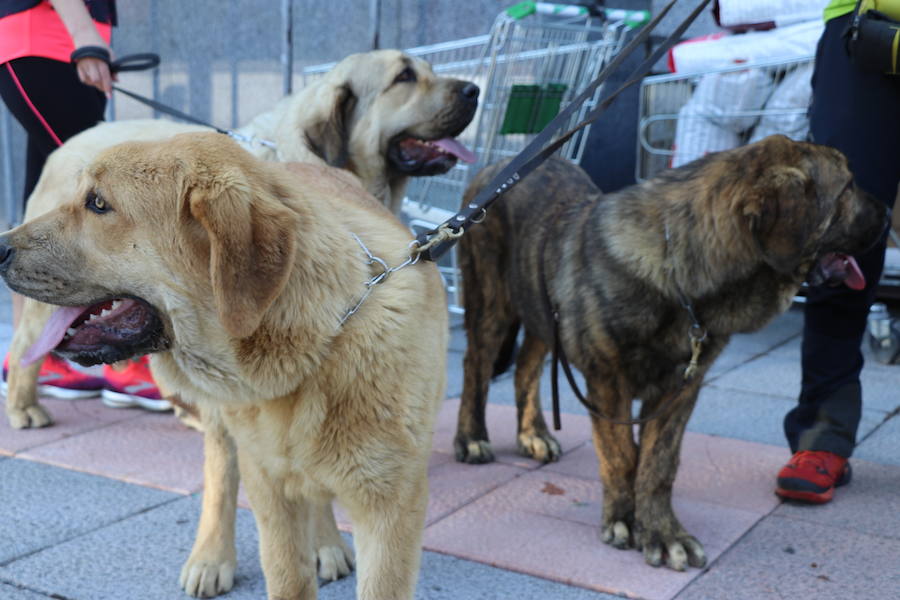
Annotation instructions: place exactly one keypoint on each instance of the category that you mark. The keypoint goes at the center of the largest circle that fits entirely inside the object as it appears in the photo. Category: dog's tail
(508, 351)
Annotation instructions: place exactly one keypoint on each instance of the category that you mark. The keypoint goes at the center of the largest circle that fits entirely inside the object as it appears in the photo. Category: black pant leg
(854, 111)
(50, 102)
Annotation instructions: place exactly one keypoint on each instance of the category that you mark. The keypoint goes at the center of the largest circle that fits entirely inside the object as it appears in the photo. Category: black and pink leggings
(50, 102)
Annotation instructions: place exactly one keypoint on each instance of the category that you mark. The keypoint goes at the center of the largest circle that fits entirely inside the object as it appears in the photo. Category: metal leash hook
(381, 277)
(698, 336)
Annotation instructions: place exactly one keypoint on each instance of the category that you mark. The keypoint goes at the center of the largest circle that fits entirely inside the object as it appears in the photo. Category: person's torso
(29, 28)
(837, 8)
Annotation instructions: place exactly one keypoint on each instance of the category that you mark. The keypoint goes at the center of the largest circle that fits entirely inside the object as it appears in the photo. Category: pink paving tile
(153, 449)
(713, 469)
(501, 423)
(70, 417)
(451, 486)
(521, 527)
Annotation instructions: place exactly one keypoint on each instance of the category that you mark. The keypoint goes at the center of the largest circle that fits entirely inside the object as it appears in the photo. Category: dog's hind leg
(534, 438)
(22, 407)
(484, 339)
(659, 533)
(618, 454)
(490, 323)
(209, 570)
(333, 556)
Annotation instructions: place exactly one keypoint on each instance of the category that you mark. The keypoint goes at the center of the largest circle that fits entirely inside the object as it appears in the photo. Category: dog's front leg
(285, 534)
(209, 570)
(618, 454)
(388, 540)
(659, 533)
(22, 407)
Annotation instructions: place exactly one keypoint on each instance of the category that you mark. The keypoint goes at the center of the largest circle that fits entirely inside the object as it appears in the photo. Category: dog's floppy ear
(328, 128)
(782, 210)
(252, 236)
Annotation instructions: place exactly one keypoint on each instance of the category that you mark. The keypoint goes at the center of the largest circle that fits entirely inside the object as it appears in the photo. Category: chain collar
(378, 278)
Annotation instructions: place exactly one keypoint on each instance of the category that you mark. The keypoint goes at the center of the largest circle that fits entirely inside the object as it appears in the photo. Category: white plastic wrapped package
(719, 52)
(741, 13)
(716, 114)
(785, 112)
(696, 136)
(722, 97)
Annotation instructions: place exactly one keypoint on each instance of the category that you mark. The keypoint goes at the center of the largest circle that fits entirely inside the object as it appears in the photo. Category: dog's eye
(95, 203)
(406, 75)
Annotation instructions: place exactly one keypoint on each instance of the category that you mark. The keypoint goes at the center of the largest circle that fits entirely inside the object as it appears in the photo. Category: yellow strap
(894, 46)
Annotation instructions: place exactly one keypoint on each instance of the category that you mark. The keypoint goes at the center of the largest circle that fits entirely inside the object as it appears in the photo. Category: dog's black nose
(469, 91)
(6, 254)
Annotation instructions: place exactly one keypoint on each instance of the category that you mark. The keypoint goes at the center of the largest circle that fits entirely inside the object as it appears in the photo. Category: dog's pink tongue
(456, 149)
(855, 279)
(53, 333)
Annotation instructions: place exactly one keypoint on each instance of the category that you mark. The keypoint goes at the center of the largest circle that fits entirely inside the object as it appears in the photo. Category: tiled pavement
(104, 504)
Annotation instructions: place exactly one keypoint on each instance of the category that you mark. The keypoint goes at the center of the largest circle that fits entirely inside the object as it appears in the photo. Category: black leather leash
(141, 62)
(435, 243)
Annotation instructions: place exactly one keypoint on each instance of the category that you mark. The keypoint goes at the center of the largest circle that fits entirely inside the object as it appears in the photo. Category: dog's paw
(334, 562)
(31, 417)
(207, 578)
(676, 553)
(617, 535)
(539, 446)
(474, 452)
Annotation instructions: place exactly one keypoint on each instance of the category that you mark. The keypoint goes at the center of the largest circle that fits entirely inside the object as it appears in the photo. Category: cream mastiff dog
(237, 275)
(383, 116)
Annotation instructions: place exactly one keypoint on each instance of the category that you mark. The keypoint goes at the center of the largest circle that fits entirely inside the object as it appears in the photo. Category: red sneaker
(811, 476)
(58, 379)
(133, 386)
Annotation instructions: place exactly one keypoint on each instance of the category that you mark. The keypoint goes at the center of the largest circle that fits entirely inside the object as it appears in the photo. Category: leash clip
(698, 336)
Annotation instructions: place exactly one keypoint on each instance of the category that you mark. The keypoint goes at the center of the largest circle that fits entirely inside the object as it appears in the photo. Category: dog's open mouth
(105, 332)
(834, 269)
(415, 156)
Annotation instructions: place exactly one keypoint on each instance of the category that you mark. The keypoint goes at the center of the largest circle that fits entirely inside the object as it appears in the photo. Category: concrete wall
(221, 60)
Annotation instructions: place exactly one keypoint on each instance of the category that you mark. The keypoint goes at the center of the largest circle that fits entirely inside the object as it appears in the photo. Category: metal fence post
(11, 212)
(287, 45)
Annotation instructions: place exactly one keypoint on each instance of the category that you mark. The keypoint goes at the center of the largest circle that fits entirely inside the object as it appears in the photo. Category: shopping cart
(683, 117)
(537, 57)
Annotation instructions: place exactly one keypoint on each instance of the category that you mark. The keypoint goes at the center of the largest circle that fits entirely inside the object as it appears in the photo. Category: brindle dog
(734, 234)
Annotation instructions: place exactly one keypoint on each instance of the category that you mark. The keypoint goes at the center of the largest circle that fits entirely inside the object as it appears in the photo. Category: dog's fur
(246, 271)
(735, 232)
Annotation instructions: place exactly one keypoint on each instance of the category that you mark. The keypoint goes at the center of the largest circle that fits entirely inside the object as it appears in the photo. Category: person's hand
(95, 72)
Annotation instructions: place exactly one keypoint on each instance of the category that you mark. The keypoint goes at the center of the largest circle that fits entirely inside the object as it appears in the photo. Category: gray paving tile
(10, 592)
(777, 375)
(788, 558)
(883, 445)
(443, 577)
(457, 338)
(869, 504)
(753, 416)
(44, 505)
(139, 557)
(770, 375)
(782, 330)
(454, 374)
